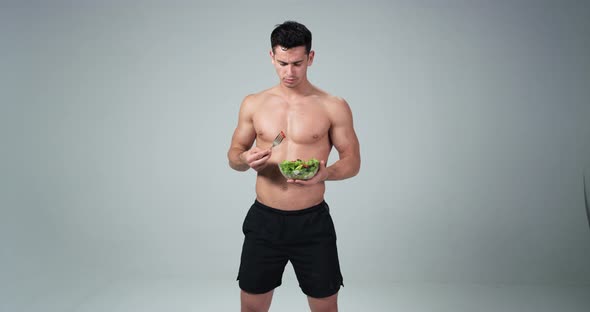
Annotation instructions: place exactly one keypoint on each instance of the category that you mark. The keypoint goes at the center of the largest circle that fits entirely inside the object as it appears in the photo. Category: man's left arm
(345, 141)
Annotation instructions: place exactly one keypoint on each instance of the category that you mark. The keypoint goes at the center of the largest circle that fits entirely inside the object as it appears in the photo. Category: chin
(292, 83)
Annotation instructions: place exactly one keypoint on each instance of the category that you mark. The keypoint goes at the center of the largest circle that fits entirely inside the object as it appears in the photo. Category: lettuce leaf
(299, 169)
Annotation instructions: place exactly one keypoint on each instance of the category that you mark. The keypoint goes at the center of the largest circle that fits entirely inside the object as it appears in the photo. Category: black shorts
(305, 237)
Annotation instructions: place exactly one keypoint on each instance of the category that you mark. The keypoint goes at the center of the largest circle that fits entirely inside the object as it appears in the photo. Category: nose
(289, 69)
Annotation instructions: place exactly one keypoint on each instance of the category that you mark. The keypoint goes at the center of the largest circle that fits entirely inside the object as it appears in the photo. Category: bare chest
(303, 123)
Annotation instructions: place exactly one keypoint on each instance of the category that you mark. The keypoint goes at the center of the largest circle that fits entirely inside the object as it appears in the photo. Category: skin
(313, 122)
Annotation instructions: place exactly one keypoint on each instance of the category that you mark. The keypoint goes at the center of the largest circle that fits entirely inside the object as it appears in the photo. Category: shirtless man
(289, 220)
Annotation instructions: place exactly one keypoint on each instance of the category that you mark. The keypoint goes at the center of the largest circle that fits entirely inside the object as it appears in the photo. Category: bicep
(244, 134)
(342, 132)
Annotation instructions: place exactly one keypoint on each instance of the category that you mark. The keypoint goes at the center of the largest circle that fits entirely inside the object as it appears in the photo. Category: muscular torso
(306, 124)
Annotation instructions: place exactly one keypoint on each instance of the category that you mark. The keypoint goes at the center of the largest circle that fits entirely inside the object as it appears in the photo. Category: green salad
(299, 169)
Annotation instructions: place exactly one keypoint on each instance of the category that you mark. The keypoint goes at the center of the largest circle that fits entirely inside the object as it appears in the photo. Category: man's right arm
(243, 137)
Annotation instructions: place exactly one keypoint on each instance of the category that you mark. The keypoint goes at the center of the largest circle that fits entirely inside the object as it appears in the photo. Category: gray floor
(152, 294)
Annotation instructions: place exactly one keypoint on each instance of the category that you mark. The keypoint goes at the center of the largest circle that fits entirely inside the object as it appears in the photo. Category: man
(289, 220)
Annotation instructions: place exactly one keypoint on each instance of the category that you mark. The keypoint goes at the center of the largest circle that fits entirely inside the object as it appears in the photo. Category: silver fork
(279, 138)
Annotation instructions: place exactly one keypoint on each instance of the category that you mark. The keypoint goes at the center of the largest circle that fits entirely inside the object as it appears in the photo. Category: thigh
(262, 261)
(315, 261)
(261, 267)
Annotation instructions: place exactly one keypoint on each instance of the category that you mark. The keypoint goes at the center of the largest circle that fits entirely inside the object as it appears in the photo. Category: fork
(278, 139)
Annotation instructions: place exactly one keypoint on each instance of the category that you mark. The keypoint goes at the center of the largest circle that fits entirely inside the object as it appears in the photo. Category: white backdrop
(472, 117)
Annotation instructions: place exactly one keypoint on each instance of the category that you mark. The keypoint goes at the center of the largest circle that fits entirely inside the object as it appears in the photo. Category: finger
(263, 153)
(256, 156)
(259, 162)
(299, 182)
(260, 166)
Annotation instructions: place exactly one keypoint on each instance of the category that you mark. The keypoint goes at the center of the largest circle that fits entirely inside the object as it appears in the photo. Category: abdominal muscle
(272, 188)
(288, 196)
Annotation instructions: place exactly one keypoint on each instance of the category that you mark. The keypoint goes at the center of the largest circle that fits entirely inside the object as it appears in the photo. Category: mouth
(289, 80)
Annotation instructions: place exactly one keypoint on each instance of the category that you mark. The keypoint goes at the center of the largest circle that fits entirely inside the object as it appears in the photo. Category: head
(289, 35)
(291, 52)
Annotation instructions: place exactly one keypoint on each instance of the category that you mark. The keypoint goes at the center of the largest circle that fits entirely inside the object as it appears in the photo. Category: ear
(310, 57)
(272, 57)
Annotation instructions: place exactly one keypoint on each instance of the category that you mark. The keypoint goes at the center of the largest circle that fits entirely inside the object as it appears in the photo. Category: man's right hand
(256, 157)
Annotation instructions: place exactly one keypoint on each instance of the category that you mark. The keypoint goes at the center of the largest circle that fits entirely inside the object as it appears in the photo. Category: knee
(255, 303)
(253, 307)
(326, 308)
(328, 304)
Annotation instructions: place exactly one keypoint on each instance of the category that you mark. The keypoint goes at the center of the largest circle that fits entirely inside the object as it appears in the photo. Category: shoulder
(336, 107)
(331, 101)
(337, 101)
(259, 97)
(336, 104)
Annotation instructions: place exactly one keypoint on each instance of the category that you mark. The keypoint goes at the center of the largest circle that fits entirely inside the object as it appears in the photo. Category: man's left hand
(320, 176)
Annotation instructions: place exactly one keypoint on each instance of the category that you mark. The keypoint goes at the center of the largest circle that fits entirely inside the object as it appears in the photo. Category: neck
(303, 88)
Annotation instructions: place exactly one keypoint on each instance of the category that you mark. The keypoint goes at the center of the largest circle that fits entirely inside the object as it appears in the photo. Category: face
(291, 64)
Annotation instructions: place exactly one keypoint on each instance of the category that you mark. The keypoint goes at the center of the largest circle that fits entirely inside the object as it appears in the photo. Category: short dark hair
(291, 34)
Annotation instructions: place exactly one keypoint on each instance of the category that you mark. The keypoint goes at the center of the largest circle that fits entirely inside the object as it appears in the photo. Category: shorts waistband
(311, 209)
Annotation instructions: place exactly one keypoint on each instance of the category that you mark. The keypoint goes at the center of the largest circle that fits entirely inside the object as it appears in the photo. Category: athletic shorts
(305, 237)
